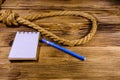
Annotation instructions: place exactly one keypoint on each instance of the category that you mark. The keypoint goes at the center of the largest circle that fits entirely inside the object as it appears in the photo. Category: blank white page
(24, 46)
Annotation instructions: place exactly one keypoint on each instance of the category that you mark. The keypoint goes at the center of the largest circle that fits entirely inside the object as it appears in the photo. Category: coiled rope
(11, 18)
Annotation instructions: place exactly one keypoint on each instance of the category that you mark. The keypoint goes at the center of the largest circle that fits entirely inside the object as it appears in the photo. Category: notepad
(24, 46)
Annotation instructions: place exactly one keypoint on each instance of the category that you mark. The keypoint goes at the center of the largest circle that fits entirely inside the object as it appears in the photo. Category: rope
(11, 18)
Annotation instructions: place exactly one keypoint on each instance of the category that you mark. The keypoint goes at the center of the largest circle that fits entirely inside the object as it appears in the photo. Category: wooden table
(102, 52)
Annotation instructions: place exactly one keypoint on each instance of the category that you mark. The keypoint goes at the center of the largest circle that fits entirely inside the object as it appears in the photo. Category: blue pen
(63, 49)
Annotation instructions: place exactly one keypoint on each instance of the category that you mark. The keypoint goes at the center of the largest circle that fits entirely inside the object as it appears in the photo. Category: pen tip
(84, 59)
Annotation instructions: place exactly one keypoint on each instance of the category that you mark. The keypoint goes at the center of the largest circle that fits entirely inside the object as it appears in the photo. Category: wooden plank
(102, 62)
(105, 11)
(103, 17)
(109, 39)
(72, 4)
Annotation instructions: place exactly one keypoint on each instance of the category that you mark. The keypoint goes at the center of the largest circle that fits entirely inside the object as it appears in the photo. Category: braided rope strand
(10, 18)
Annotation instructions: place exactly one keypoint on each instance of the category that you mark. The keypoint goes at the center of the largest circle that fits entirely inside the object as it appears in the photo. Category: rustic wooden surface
(102, 52)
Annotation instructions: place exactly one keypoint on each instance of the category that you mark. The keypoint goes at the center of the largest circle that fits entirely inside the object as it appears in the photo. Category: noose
(11, 18)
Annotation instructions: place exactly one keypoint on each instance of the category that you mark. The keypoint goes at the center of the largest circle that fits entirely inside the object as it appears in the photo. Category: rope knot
(8, 17)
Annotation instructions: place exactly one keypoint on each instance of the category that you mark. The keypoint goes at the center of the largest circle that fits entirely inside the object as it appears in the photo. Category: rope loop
(10, 18)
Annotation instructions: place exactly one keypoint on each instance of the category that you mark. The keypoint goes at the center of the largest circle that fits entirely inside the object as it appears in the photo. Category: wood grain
(102, 52)
(102, 62)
